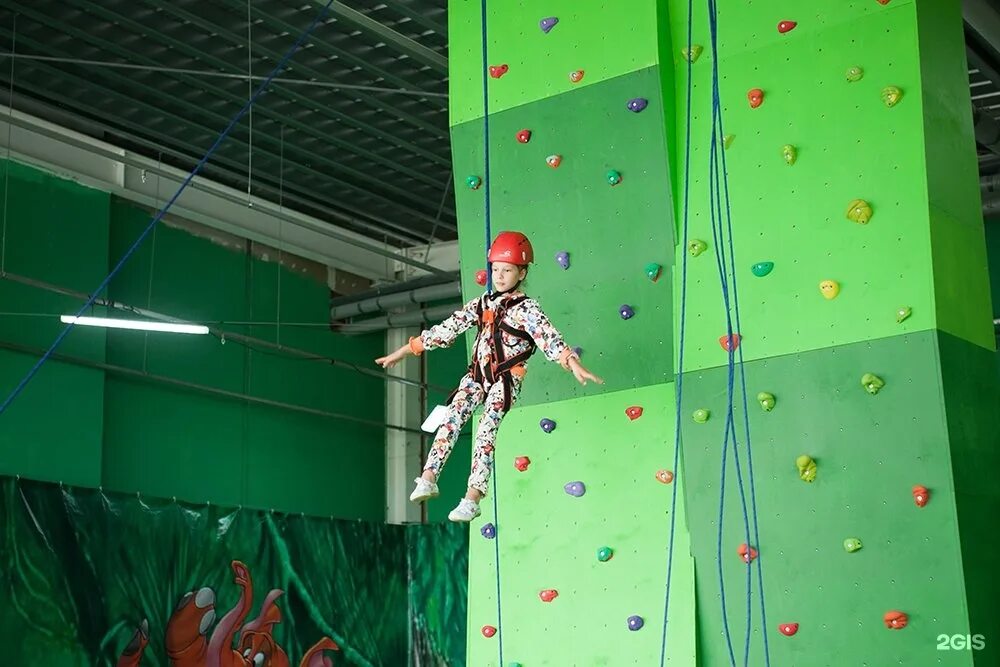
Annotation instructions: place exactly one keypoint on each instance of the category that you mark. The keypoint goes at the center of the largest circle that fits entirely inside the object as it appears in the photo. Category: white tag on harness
(434, 419)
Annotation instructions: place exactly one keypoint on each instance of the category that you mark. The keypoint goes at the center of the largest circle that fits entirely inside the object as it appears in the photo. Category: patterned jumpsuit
(526, 316)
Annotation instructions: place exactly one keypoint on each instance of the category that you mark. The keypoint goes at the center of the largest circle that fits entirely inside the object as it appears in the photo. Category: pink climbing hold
(497, 71)
(633, 412)
(730, 343)
(489, 631)
(522, 463)
(921, 496)
(786, 26)
(481, 277)
(524, 136)
(548, 595)
(747, 553)
(788, 629)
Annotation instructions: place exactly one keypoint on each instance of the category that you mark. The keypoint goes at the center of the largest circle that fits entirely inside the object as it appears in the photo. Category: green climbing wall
(547, 538)
(932, 424)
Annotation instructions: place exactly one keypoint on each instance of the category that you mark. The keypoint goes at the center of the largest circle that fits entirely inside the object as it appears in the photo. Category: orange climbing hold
(747, 553)
(921, 496)
(730, 343)
(665, 476)
(756, 97)
(577, 76)
(895, 620)
(788, 629)
(633, 412)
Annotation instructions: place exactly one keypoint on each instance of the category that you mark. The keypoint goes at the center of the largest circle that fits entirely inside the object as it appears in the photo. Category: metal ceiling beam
(418, 18)
(193, 152)
(221, 121)
(982, 17)
(406, 45)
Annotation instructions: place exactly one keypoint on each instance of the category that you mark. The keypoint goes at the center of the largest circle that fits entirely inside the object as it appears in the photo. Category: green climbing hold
(696, 247)
(653, 271)
(766, 401)
(807, 468)
(855, 74)
(903, 313)
(727, 141)
(872, 383)
(614, 178)
(473, 182)
(604, 554)
(761, 269)
(852, 544)
(701, 415)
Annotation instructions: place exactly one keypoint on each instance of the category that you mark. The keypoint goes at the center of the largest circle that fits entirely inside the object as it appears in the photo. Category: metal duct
(410, 318)
(387, 302)
(394, 288)
(987, 130)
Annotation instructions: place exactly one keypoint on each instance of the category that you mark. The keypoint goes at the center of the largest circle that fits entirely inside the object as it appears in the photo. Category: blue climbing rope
(159, 216)
(489, 289)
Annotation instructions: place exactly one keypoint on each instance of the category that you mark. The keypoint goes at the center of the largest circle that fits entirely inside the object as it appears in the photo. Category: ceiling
(354, 132)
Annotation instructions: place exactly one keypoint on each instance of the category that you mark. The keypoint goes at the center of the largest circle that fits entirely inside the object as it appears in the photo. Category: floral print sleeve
(444, 334)
(530, 317)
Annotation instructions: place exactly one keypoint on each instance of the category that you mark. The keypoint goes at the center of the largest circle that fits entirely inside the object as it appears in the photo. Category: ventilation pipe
(410, 318)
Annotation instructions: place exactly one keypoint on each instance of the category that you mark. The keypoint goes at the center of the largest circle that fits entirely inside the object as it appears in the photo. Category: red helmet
(512, 247)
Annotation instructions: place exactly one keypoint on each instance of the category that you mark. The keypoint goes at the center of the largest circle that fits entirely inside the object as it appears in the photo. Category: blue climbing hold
(626, 311)
(548, 24)
(489, 531)
(635, 623)
(547, 425)
(637, 104)
(562, 259)
(575, 489)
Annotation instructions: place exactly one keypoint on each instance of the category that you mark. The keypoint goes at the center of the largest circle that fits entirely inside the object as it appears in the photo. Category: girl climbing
(511, 327)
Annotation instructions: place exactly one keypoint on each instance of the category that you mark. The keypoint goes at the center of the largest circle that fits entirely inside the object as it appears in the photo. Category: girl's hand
(390, 360)
(582, 374)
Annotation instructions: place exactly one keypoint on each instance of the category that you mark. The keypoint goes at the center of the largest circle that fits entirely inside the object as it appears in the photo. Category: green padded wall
(549, 539)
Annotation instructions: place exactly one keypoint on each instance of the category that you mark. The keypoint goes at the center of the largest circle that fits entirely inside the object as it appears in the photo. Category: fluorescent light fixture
(140, 325)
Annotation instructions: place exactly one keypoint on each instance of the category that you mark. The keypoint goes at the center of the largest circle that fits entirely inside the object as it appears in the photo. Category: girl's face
(506, 275)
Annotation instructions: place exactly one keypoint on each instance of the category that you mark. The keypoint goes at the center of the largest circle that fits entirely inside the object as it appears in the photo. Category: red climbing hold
(522, 463)
(895, 620)
(489, 631)
(786, 26)
(729, 344)
(576, 76)
(756, 97)
(665, 476)
(481, 277)
(497, 71)
(747, 553)
(633, 412)
(548, 595)
(524, 136)
(883, 2)
(921, 495)
(788, 629)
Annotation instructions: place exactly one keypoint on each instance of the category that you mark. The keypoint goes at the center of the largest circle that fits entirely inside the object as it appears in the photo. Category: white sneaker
(424, 490)
(465, 512)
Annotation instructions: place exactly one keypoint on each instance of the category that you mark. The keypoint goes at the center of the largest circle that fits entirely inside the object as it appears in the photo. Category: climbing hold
(786, 26)
(579, 351)
(547, 24)
(665, 476)
(633, 412)
(522, 463)
(766, 401)
(701, 415)
(895, 620)
(855, 74)
(692, 54)
(859, 211)
(891, 95)
(872, 383)
(489, 631)
(637, 104)
(829, 289)
(635, 623)
(730, 343)
(727, 141)
(852, 544)
(524, 136)
(481, 278)
(626, 311)
(548, 595)
(747, 553)
(553, 160)
(653, 271)
(788, 629)
(473, 182)
(790, 154)
(614, 178)
(497, 71)
(807, 468)
(547, 425)
(562, 259)
(604, 554)
(903, 313)
(921, 495)
(696, 247)
(761, 269)
(576, 76)
(756, 97)
(489, 531)
(575, 489)
(883, 2)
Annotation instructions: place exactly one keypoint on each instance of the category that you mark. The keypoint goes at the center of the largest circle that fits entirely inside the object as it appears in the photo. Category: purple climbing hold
(626, 312)
(547, 425)
(578, 351)
(635, 623)
(637, 104)
(563, 259)
(548, 23)
(489, 531)
(575, 489)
